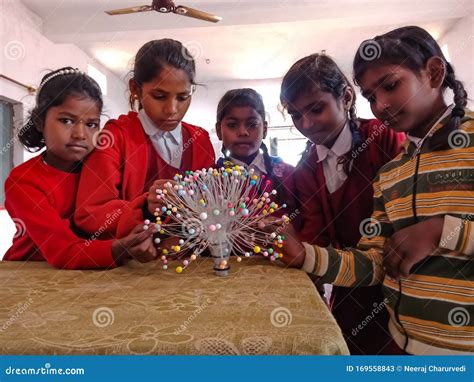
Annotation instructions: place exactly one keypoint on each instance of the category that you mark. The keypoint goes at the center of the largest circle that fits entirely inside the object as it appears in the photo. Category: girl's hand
(293, 250)
(137, 245)
(153, 202)
(410, 245)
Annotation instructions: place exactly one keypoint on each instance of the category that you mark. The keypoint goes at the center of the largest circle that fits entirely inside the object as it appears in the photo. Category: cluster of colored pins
(212, 207)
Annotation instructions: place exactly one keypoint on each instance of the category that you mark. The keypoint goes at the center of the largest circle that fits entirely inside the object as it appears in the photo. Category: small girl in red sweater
(334, 181)
(40, 193)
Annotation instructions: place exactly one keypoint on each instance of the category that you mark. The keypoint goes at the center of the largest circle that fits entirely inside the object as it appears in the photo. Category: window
(100, 78)
(286, 142)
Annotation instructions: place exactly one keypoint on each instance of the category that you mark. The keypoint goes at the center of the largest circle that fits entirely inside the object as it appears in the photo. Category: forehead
(311, 97)
(78, 105)
(241, 112)
(377, 73)
(170, 80)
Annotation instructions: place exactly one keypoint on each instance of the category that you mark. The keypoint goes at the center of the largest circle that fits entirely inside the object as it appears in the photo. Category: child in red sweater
(143, 150)
(334, 181)
(40, 193)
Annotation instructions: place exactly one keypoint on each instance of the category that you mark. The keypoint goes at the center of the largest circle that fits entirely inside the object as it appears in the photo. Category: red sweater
(334, 218)
(41, 199)
(115, 179)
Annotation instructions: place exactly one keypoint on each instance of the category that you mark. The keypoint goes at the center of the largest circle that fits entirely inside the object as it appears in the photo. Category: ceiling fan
(167, 6)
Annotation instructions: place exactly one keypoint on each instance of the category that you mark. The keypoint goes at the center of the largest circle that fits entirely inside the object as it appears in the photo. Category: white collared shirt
(168, 144)
(334, 173)
(258, 164)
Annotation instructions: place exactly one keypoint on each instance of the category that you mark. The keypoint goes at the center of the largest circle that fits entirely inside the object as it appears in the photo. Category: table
(260, 308)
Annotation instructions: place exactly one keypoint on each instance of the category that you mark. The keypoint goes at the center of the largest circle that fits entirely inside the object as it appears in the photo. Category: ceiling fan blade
(125, 11)
(194, 13)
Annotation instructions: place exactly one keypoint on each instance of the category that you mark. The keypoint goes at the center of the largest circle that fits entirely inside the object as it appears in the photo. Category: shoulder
(29, 169)
(31, 173)
(467, 122)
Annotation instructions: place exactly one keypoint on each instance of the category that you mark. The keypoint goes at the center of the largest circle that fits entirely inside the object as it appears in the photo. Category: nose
(170, 107)
(243, 131)
(382, 105)
(306, 123)
(78, 130)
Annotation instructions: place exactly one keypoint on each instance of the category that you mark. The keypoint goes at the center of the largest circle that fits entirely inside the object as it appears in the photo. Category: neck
(438, 110)
(72, 167)
(247, 160)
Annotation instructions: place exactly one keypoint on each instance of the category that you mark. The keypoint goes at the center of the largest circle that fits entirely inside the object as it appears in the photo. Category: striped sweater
(432, 310)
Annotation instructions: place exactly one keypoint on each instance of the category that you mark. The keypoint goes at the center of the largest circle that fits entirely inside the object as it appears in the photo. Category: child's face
(166, 98)
(400, 98)
(241, 131)
(68, 131)
(319, 116)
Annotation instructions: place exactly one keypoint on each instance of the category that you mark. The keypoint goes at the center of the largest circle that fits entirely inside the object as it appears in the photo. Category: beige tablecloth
(259, 308)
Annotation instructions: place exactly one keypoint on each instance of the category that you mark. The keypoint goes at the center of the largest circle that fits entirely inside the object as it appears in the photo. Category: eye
(183, 98)
(295, 116)
(159, 97)
(253, 124)
(316, 110)
(391, 86)
(231, 125)
(66, 121)
(93, 125)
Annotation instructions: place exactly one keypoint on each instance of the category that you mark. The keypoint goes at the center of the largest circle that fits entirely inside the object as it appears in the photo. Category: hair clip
(61, 72)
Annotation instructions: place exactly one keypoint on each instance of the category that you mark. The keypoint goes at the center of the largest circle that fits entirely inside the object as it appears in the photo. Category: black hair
(55, 87)
(251, 98)
(152, 57)
(412, 47)
(319, 71)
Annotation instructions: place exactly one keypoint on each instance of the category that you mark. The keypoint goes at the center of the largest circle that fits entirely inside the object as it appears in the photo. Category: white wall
(26, 55)
(460, 43)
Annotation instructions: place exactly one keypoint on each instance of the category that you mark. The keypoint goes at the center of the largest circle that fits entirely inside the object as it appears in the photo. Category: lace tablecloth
(259, 308)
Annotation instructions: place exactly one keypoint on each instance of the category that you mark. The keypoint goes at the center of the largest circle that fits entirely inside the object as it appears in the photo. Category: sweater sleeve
(52, 235)
(99, 204)
(361, 266)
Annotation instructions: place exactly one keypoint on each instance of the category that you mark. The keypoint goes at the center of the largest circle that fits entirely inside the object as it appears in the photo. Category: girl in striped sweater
(419, 242)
